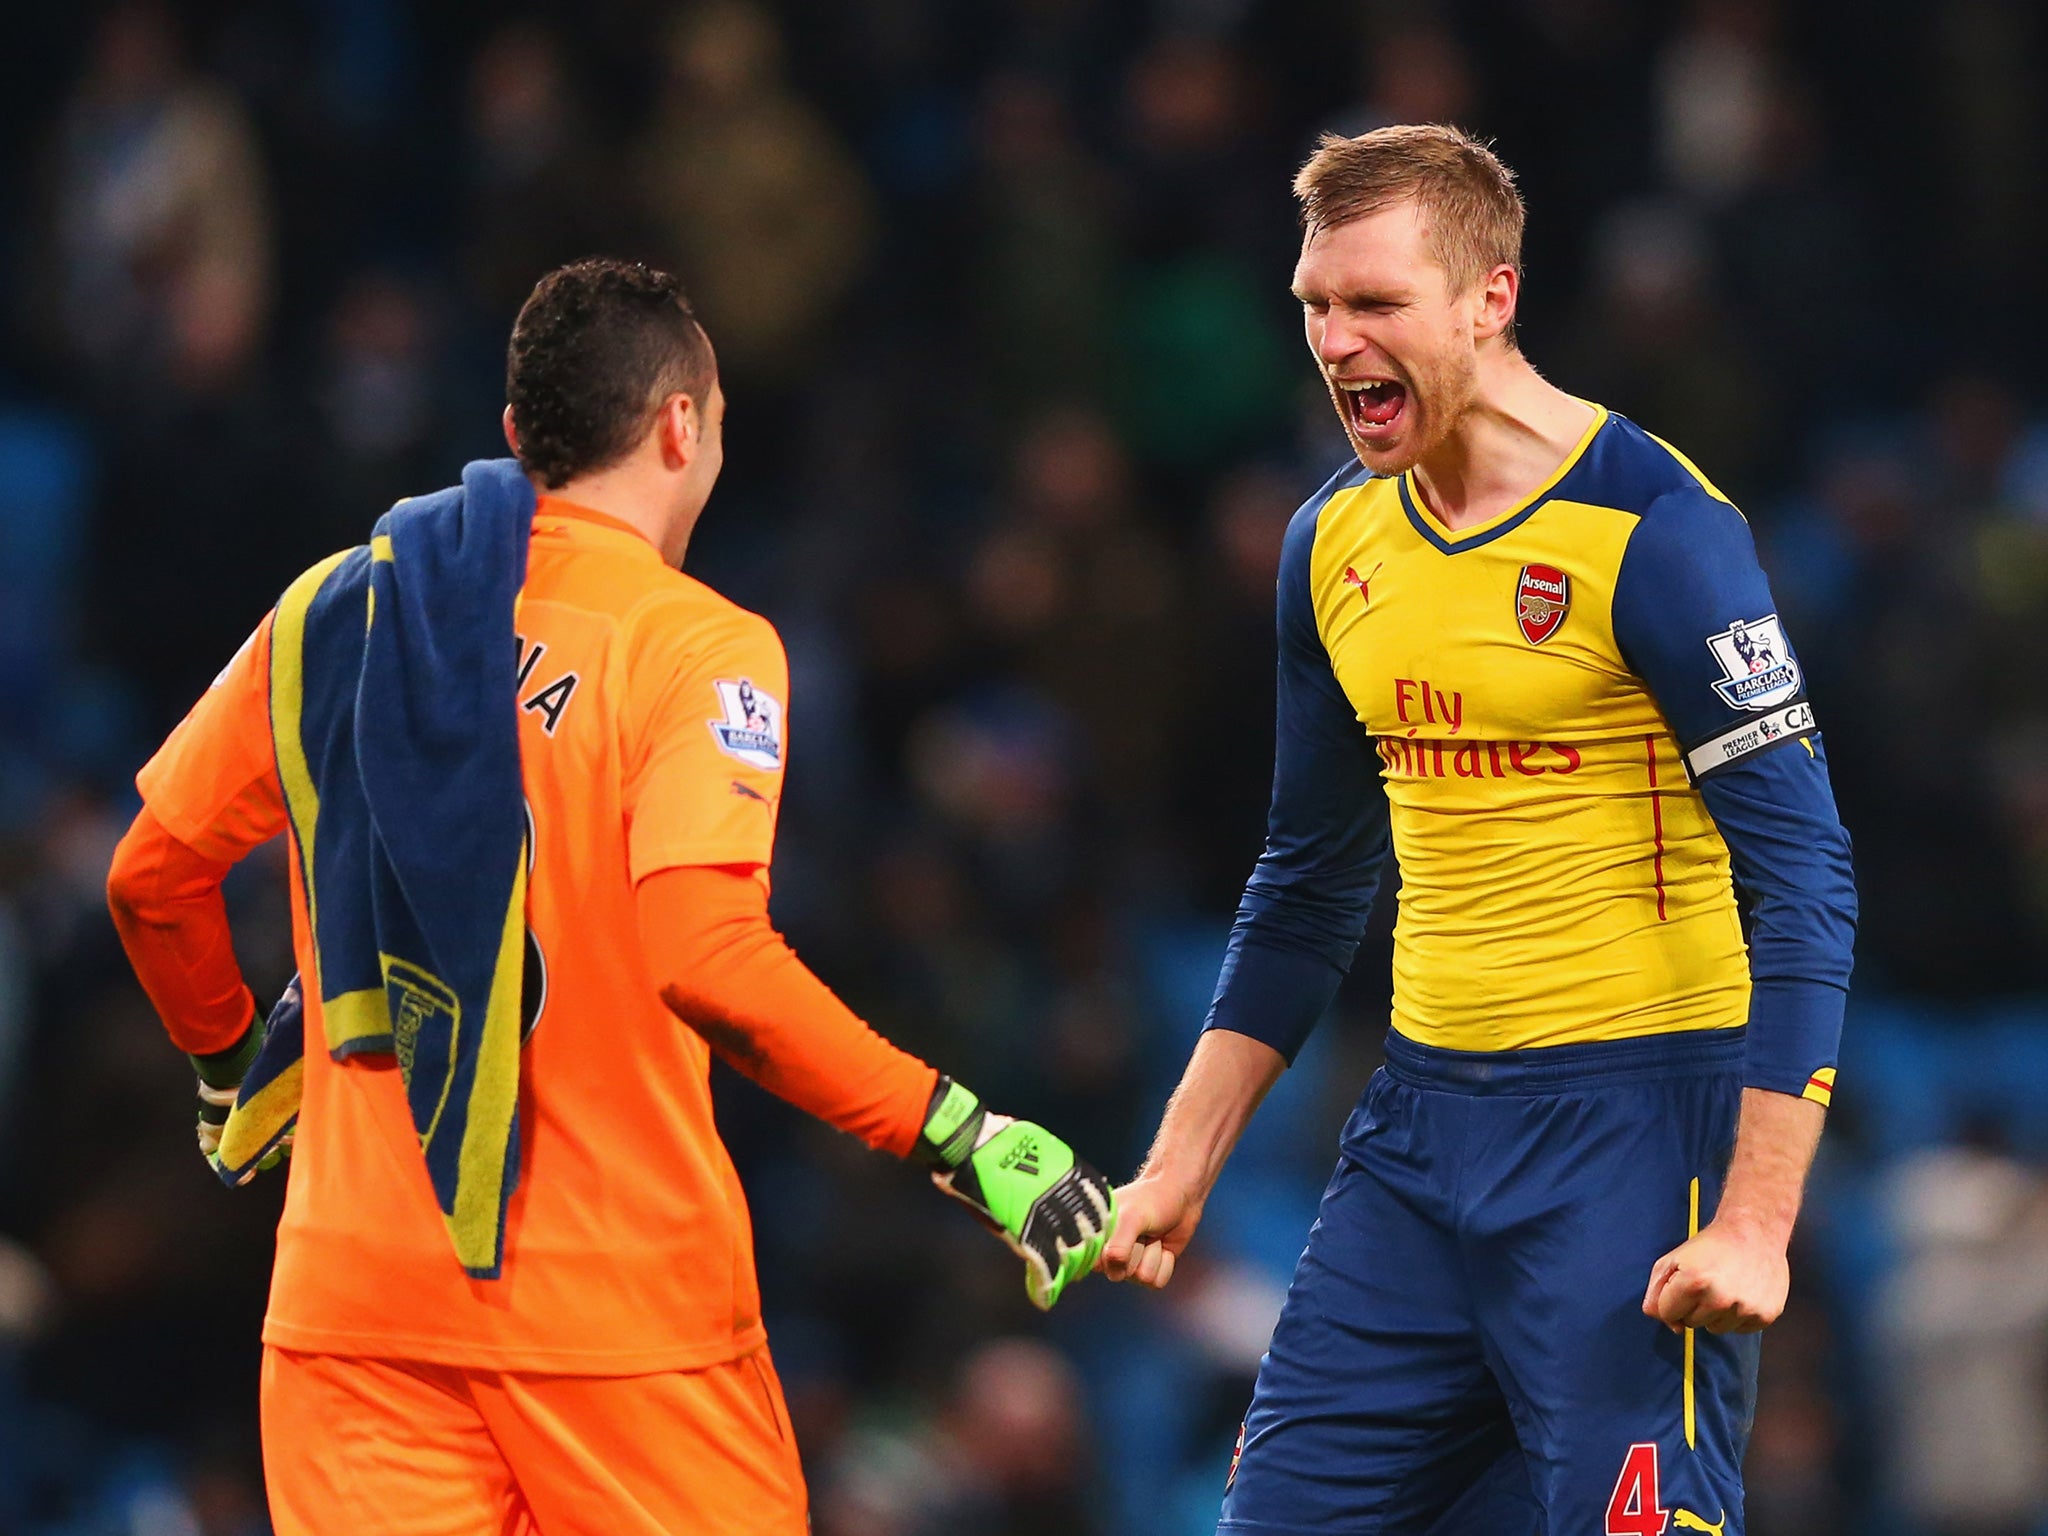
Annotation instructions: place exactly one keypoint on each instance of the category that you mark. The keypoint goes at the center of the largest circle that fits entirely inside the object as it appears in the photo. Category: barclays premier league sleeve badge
(1757, 668)
(752, 728)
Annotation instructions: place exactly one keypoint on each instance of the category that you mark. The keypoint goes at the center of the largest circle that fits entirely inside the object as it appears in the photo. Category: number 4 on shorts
(1635, 1509)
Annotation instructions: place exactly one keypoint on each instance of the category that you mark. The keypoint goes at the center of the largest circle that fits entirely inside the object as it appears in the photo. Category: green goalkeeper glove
(221, 1074)
(1023, 1183)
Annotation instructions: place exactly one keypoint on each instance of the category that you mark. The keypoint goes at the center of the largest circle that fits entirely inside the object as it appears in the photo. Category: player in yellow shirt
(1529, 645)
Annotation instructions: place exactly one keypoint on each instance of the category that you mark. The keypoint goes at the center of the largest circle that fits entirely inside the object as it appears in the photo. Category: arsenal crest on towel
(1542, 598)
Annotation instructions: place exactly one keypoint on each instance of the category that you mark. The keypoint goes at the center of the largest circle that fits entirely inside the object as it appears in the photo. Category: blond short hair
(1472, 214)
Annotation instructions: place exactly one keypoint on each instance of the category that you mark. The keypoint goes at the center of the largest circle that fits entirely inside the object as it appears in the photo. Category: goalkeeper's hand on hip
(221, 1074)
(1024, 1183)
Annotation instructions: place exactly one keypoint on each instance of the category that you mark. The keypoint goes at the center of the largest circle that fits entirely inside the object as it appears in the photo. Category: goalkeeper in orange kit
(530, 773)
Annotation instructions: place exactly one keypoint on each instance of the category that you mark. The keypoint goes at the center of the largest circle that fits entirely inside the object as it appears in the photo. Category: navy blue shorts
(1463, 1348)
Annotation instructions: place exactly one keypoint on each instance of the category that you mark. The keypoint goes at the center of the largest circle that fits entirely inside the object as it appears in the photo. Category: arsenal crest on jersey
(1543, 597)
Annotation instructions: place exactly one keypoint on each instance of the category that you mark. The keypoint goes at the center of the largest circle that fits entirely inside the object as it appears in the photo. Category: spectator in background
(1221, 768)
(1192, 153)
(909, 656)
(1205, 373)
(767, 213)
(1964, 1331)
(1088, 1068)
(1790, 1486)
(156, 282)
(1047, 257)
(1415, 71)
(936, 954)
(1016, 1439)
(1801, 270)
(1981, 60)
(1079, 594)
(1715, 83)
(1885, 561)
(153, 295)
(999, 769)
(156, 245)
(377, 402)
(2004, 573)
(541, 191)
(47, 467)
(1656, 343)
(1008, 1456)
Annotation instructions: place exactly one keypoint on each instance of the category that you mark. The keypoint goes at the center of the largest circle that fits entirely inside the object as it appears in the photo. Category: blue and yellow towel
(391, 704)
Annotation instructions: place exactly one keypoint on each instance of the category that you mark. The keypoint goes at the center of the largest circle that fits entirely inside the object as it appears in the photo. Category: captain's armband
(1746, 739)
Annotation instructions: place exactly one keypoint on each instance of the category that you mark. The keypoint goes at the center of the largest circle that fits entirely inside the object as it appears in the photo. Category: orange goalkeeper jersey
(652, 738)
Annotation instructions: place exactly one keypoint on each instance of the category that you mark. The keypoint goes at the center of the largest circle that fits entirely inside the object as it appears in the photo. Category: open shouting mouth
(1374, 407)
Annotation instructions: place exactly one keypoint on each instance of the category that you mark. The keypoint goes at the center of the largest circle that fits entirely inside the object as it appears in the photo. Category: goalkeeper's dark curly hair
(598, 345)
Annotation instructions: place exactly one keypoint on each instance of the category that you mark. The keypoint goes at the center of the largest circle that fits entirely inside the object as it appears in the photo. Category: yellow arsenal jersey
(1560, 878)
(1580, 727)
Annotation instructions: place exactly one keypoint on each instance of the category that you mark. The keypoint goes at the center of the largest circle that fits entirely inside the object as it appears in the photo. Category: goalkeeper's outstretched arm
(724, 970)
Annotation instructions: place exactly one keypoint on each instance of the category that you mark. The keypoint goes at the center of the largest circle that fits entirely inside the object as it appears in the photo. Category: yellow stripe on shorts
(1692, 1229)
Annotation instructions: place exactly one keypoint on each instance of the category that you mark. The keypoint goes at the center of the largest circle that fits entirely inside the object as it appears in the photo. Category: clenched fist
(1155, 1220)
(1725, 1280)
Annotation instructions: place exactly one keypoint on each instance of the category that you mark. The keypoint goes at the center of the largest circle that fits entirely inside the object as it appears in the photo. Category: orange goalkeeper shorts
(407, 1449)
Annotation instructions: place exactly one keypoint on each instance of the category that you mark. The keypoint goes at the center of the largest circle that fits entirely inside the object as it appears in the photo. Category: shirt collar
(555, 506)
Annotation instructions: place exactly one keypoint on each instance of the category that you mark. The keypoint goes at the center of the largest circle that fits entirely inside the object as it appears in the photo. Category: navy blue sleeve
(1306, 903)
(1694, 618)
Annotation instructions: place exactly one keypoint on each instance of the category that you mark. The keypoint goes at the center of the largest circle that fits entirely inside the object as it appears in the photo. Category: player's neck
(645, 505)
(1519, 428)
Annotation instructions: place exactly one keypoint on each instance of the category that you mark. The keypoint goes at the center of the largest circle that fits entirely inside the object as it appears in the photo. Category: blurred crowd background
(1018, 413)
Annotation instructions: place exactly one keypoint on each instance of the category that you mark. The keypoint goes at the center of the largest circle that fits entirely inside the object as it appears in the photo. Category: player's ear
(511, 432)
(678, 430)
(1498, 292)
